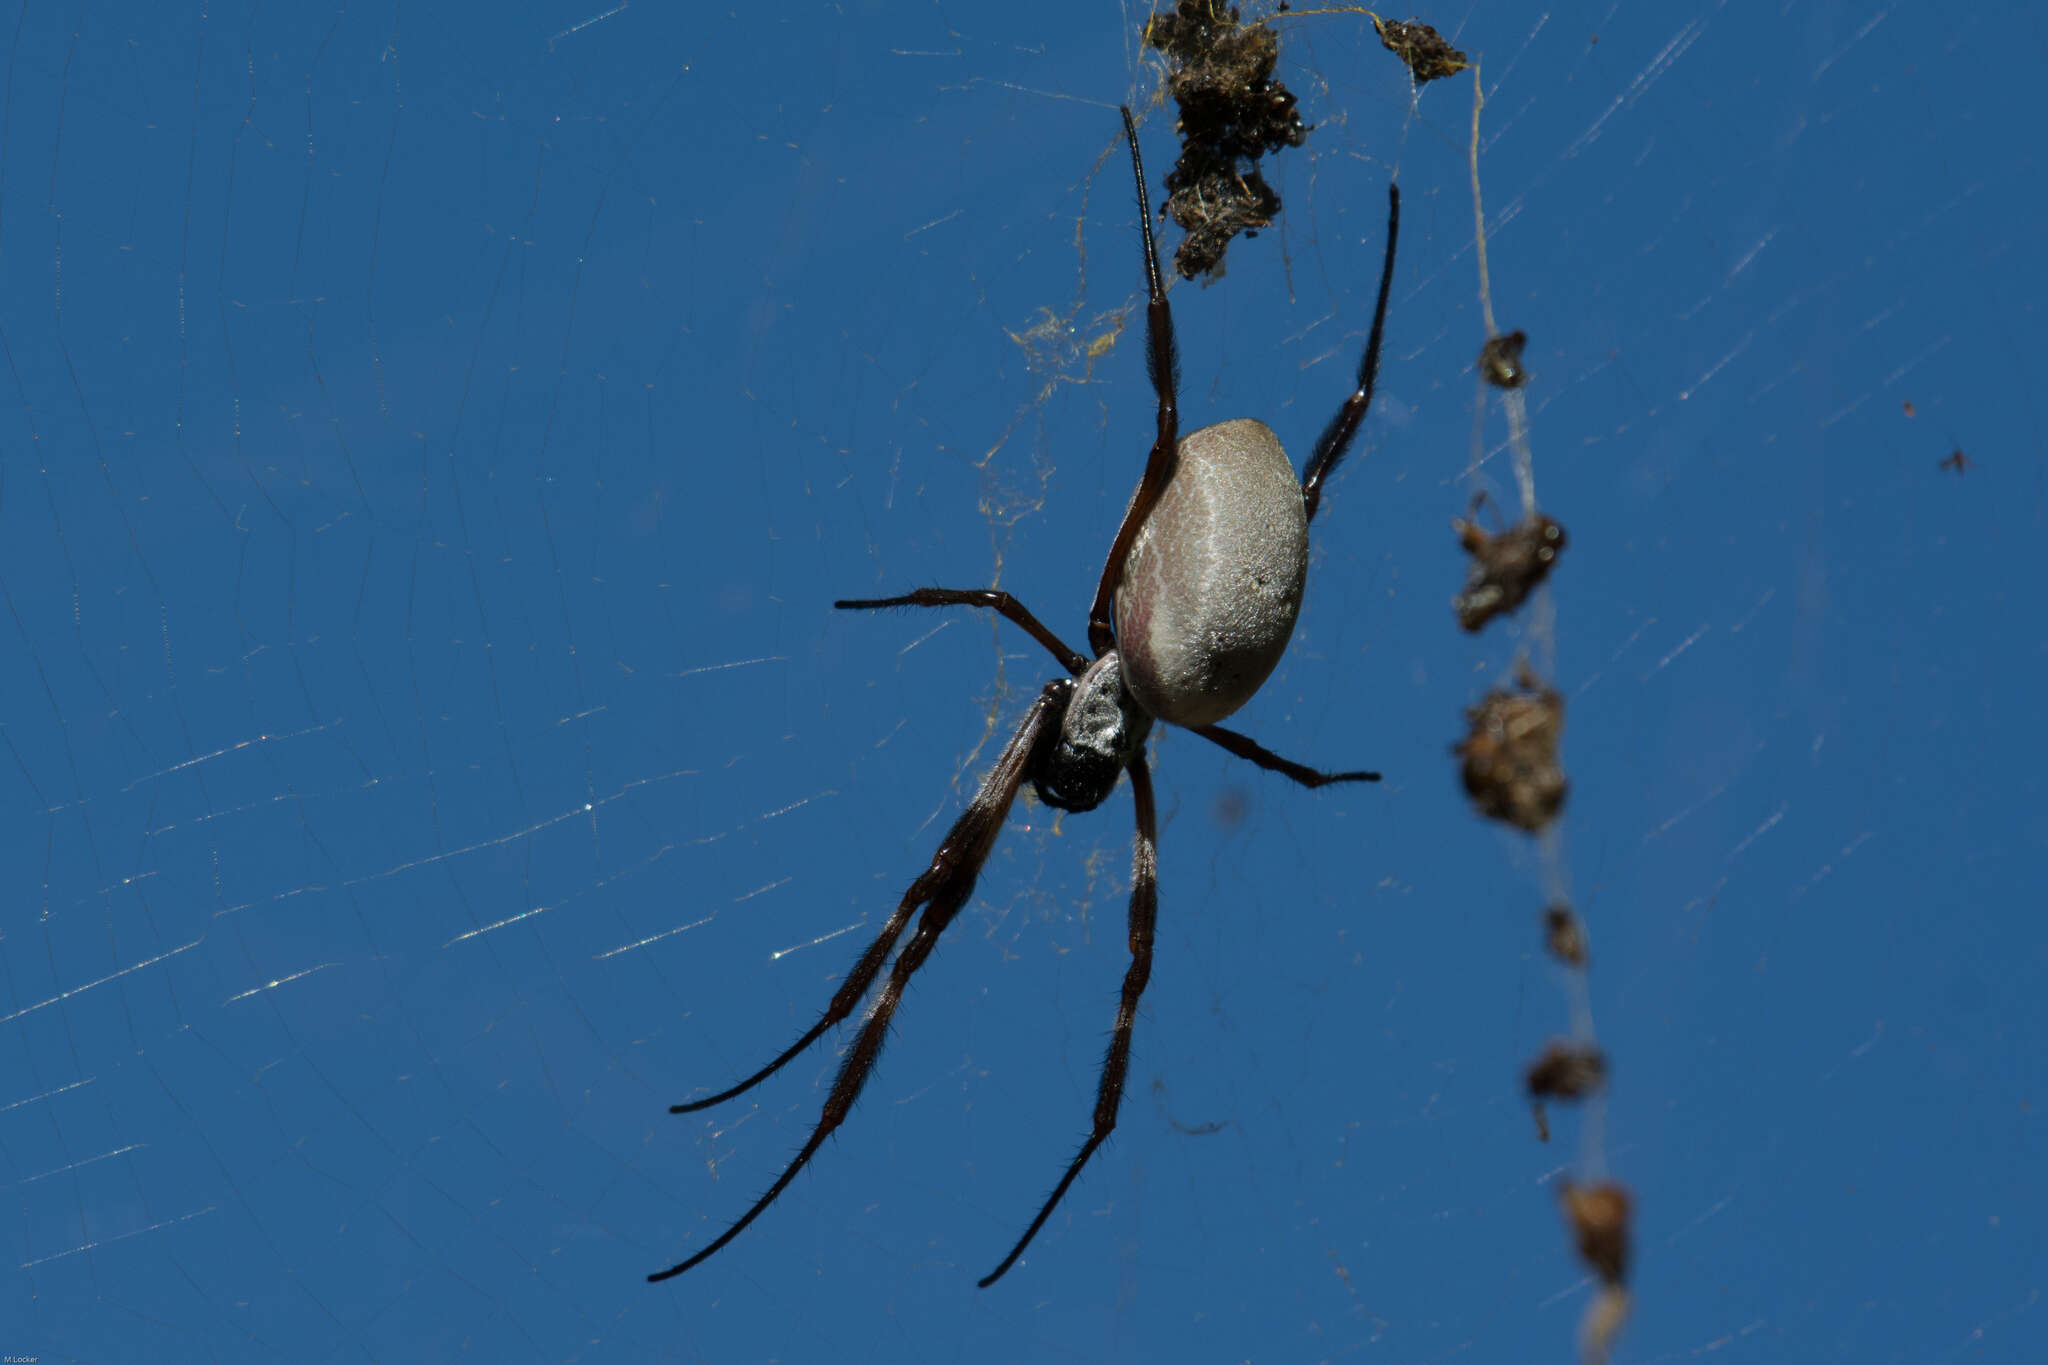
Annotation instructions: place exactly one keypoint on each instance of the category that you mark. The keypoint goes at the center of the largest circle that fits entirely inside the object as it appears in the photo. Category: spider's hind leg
(1249, 749)
(993, 598)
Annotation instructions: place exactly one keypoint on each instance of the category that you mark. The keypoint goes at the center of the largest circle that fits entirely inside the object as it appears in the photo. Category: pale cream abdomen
(1213, 584)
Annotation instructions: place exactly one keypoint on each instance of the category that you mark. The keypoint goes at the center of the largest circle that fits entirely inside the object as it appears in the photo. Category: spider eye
(1102, 730)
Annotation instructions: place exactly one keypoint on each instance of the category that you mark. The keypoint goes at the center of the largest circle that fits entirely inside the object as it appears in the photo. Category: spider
(1205, 577)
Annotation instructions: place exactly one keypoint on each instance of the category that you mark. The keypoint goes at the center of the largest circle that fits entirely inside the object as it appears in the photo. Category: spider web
(436, 438)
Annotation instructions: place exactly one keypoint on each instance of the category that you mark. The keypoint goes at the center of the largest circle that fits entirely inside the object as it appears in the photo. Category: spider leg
(944, 887)
(1116, 1066)
(843, 1000)
(1244, 746)
(993, 598)
(1164, 367)
(1336, 437)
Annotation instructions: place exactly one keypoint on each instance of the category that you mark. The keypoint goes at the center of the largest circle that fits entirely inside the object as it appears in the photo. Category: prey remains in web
(1195, 606)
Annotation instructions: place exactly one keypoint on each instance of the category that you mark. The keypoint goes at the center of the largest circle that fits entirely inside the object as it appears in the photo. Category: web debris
(1232, 112)
(1512, 772)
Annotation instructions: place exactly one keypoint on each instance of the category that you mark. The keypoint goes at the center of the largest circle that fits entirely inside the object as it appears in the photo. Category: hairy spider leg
(994, 599)
(1163, 365)
(1245, 747)
(946, 885)
(1116, 1065)
(1336, 437)
(848, 995)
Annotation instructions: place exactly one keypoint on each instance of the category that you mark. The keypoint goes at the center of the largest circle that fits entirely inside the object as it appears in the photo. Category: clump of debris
(1510, 752)
(1505, 567)
(1428, 56)
(1564, 935)
(1565, 1071)
(1232, 112)
(1500, 360)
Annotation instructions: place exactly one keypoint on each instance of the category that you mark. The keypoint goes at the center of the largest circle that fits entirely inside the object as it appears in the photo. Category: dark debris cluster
(1510, 755)
(1564, 936)
(1428, 56)
(1565, 1071)
(1510, 766)
(1500, 360)
(1599, 1215)
(1232, 112)
(1505, 568)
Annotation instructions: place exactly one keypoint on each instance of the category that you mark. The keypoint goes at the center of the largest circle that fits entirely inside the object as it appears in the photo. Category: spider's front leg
(943, 890)
(1336, 437)
(1162, 363)
(1116, 1065)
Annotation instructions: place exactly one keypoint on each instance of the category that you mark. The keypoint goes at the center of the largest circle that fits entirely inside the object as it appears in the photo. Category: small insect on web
(1195, 606)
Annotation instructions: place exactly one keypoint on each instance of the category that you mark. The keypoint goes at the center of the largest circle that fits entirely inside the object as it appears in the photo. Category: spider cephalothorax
(1101, 729)
(1205, 579)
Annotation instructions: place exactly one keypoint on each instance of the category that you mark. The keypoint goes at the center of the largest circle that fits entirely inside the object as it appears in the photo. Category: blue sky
(434, 437)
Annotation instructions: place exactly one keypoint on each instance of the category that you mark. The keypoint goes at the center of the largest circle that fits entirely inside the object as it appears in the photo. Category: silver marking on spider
(1205, 579)
(1104, 728)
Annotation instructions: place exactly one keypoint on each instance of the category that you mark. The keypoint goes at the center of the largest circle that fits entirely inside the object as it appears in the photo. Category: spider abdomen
(1213, 583)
